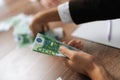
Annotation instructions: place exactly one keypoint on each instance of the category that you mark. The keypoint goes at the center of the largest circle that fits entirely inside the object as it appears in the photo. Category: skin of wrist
(39, 17)
(93, 73)
(48, 16)
(99, 73)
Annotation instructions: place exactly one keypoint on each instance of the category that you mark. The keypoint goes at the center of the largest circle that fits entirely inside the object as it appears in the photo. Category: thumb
(65, 51)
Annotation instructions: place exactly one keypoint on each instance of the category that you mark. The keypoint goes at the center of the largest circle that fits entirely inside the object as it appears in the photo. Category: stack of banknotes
(22, 34)
(46, 45)
(7, 24)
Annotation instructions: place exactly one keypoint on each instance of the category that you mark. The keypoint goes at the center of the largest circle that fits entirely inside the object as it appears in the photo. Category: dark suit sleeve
(83, 11)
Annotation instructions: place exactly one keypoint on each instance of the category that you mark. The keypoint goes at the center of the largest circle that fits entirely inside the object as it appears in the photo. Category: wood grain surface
(25, 64)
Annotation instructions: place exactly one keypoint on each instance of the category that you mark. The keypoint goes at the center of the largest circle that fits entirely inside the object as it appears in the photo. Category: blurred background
(23, 63)
(19, 62)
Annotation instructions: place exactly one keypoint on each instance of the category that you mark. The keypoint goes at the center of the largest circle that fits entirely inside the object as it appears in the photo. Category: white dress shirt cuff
(64, 13)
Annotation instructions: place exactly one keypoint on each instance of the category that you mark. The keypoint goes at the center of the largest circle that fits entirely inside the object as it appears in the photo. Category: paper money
(56, 33)
(11, 22)
(46, 45)
(22, 33)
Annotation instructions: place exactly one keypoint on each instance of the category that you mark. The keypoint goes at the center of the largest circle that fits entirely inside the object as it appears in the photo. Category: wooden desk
(24, 64)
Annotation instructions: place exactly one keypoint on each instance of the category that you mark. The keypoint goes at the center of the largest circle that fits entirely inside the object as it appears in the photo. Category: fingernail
(60, 48)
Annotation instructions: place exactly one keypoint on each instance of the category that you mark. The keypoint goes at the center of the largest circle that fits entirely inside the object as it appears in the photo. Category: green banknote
(46, 45)
(22, 33)
(11, 22)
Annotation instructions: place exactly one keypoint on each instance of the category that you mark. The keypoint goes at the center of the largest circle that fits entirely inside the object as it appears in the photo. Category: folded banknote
(46, 45)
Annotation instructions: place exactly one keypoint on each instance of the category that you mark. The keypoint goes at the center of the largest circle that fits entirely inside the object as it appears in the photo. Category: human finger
(74, 42)
(65, 51)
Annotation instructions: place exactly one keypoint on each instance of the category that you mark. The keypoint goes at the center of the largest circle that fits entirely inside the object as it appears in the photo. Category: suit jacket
(83, 11)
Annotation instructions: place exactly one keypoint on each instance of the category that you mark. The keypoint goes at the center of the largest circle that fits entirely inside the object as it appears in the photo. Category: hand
(78, 61)
(76, 58)
(75, 43)
(50, 3)
(85, 63)
(38, 26)
(41, 20)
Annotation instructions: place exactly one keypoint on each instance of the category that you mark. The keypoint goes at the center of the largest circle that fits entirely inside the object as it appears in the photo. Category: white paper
(98, 32)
